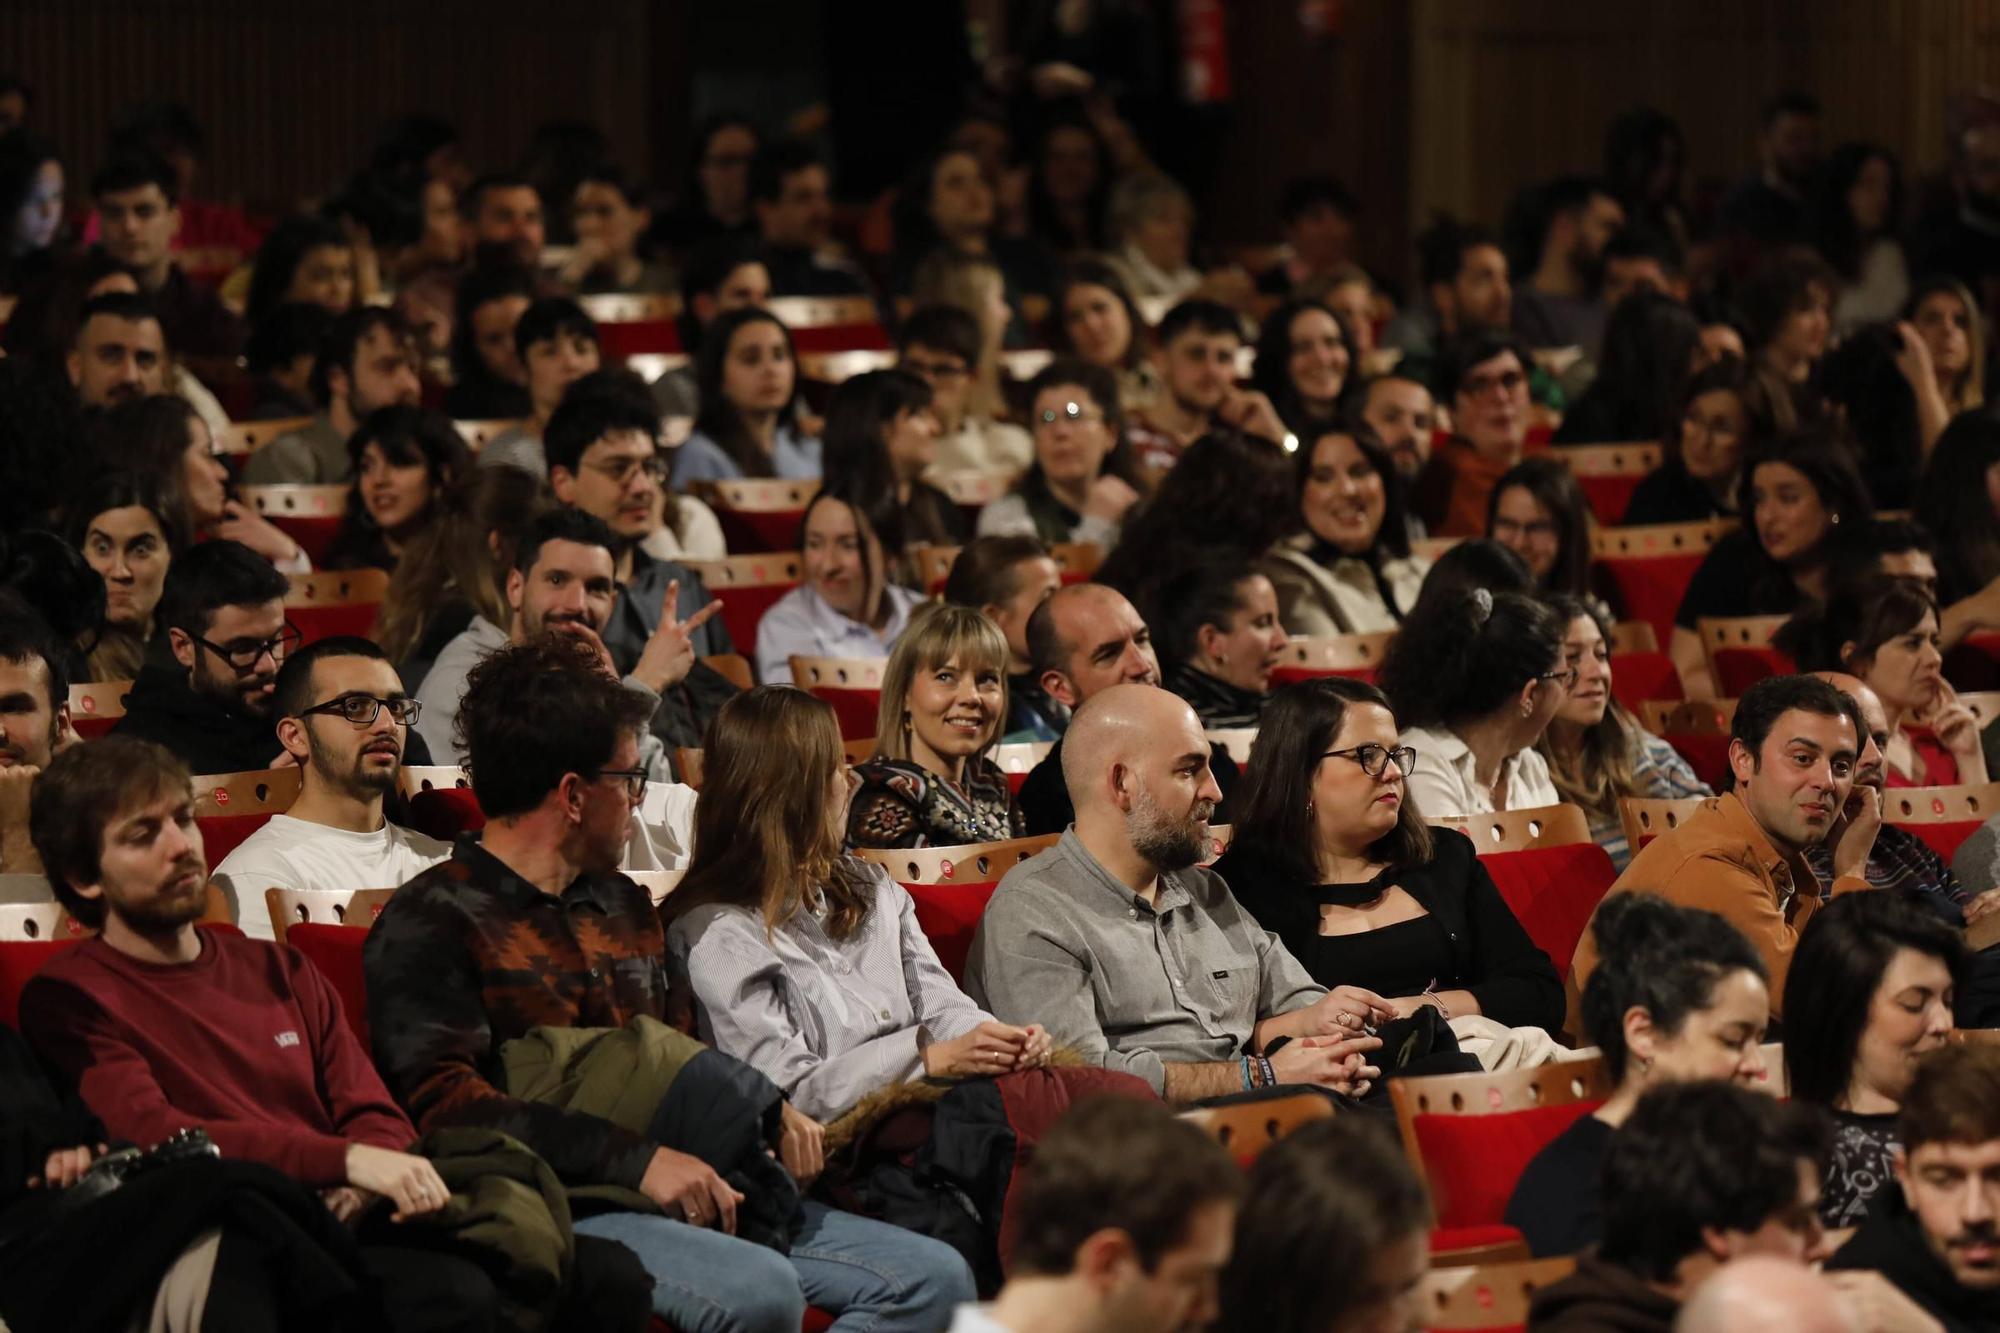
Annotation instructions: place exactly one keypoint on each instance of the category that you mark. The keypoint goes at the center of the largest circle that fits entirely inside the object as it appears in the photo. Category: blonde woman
(944, 704)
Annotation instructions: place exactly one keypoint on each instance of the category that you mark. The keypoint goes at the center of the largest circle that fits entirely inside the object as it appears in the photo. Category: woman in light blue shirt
(806, 964)
(847, 607)
(749, 380)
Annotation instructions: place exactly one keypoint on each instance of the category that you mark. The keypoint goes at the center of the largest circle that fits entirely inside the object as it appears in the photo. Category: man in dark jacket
(1700, 1174)
(1937, 1238)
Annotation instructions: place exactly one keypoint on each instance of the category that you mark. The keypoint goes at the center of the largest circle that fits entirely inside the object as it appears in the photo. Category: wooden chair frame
(1488, 1296)
(1627, 458)
(294, 501)
(478, 434)
(1688, 717)
(732, 667)
(974, 863)
(34, 921)
(1081, 558)
(1634, 636)
(247, 437)
(1656, 539)
(293, 907)
(1020, 756)
(339, 587)
(1338, 652)
(838, 673)
(1247, 1128)
(934, 564)
(412, 779)
(1941, 805)
(1562, 825)
(1985, 704)
(819, 312)
(267, 791)
(760, 495)
(631, 307)
(972, 487)
(1643, 818)
(1236, 742)
(1561, 1084)
(840, 367)
(102, 699)
(761, 570)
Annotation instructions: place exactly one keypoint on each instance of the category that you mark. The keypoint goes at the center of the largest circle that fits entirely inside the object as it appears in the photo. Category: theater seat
(949, 915)
(1640, 672)
(759, 514)
(1357, 656)
(336, 952)
(1609, 473)
(852, 685)
(747, 586)
(1489, 1297)
(1740, 652)
(1646, 569)
(309, 515)
(336, 602)
(1943, 817)
(446, 812)
(96, 706)
(1548, 871)
(229, 807)
(951, 886)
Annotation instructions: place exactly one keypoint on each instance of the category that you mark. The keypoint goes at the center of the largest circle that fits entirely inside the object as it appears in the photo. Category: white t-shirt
(290, 853)
(976, 1319)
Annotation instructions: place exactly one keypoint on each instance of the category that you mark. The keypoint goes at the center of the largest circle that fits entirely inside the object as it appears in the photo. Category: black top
(803, 273)
(1555, 1203)
(1468, 939)
(1863, 1164)
(1891, 1242)
(36, 1118)
(1215, 701)
(1736, 578)
(1044, 797)
(1668, 494)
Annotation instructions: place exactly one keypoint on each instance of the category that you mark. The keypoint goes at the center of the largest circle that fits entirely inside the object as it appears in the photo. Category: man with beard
(34, 720)
(1559, 306)
(1771, 207)
(1464, 272)
(1137, 958)
(223, 608)
(120, 352)
(1937, 1237)
(1398, 407)
(344, 719)
(367, 361)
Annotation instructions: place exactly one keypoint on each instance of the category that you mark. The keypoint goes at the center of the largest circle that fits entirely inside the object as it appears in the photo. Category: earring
(1835, 520)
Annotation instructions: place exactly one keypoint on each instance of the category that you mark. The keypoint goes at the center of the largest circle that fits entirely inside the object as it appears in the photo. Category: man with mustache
(1140, 960)
(1795, 744)
(344, 718)
(120, 352)
(1937, 1237)
(34, 721)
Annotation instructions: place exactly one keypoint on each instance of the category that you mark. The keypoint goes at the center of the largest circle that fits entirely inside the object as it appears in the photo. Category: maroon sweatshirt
(246, 1042)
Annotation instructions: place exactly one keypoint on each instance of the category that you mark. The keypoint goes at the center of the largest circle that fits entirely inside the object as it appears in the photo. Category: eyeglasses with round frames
(1375, 759)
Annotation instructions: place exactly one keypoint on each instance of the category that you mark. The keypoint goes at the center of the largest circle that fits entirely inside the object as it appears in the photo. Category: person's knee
(774, 1304)
(937, 1279)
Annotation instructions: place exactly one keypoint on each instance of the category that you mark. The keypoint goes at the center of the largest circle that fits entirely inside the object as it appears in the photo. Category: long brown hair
(453, 558)
(764, 828)
(1602, 771)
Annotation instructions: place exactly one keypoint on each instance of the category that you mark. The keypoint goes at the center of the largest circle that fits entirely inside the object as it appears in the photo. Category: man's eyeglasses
(243, 654)
(618, 471)
(1565, 677)
(1375, 759)
(634, 778)
(1509, 380)
(1069, 412)
(934, 370)
(363, 709)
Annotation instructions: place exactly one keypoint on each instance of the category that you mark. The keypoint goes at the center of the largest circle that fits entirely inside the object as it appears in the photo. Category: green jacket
(508, 1204)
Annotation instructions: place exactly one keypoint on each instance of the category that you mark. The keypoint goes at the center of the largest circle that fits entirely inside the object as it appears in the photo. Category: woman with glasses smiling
(1084, 478)
(1331, 852)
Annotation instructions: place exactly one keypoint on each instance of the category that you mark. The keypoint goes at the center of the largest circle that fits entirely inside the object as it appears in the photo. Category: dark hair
(1866, 611)
(854, 445)
(592, 407)
(703, 272)
(121, 489)
(343, 344)
(158, 125)
(1116, 1162)
(1478, 563)
(1841, 957)
(549, 318)
(211, 575)
(1878, 408)
(775, 161)
(1886, 536)
(407, 437)
(1120, 460)
(1305, 193)
(704, 134)
(1649, 345)
(1636, 142)
(403, 146)
(1093, 272)
(151, 436)
(483, 285)
(1953, 501)
(133, 307)
(916, 234)
(1393, 537)
(279, 257)
(1273, 802)
(1660, 957)
(288, 331)
(876, 513)
(1791, 102)
(1229, 492)
(1534, 211)
(1772, 697)
(1324, 1203)
(719, 419)
(983, 572)
(1639, 240)
(1695, 1156)
(1555, 488)
(461, 560)
(612, 176)
(1955, 1097)
(1200, 314)
(1460, 658)
(566, 523)
(1442, 247)
(1044, 220)
(1271, 371)
(536, 712)
(474, 197)
(22, 156)
(1779, 288)
(1726, 375)
(25, 634)
(84, 788)
(1460, 357)
(132, 169)
(1821, 456)
(292, 692)
(1836, 237)
(947, 328)
(1207, 590)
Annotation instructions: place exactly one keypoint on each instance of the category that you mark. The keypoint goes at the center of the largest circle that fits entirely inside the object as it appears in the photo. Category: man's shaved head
(1756, 1294)
(1135, 756)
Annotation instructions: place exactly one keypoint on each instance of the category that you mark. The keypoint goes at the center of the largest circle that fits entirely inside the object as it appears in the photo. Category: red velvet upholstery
(1474, 1161)
(867, 337)
(1610, 495)
(1639, 677)
(20, 960)
(1738, 668)
(327, 622)
(638, 337)
(1650, 587)
(742, 608)
(314, 535)
(222, 834)
(856, 709)
(336, 952)
(1291, 675)
(1707, 755)
(1944, 838)
(749, 531)
(446, 812)
(949, 915)
(1553, 891)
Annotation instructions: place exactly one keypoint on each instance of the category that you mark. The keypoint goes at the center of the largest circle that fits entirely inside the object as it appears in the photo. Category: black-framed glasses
(635, 780)
(618, 471)
(1565, 677)
(363, 709)
(1375, 759)
(1069, 412)
(242, 654)
(934, 370)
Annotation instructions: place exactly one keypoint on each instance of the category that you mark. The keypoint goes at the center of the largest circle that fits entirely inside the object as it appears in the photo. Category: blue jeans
(875, 1277)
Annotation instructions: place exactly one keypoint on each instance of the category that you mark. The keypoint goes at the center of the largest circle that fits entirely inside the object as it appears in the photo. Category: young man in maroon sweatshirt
(164, 1027)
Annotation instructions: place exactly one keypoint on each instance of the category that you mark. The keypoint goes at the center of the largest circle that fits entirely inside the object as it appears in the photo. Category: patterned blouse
(903, 804)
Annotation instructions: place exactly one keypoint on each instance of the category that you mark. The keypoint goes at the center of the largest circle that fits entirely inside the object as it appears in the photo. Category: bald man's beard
(1167, 841)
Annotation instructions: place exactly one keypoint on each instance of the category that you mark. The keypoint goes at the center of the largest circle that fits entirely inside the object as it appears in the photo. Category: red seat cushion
(638, 337)
(1639, 677)
(1740, 667)
(1291, 675)
(949, 915)
(328, 622)
(336, 952)
(446, 812)
(1944, 838)
(742, 608)
(857, 710)
(749, 531)
(20, 960)
(1650, 587)
(1610, 496)
(1552, 891)
(1474, 1161)
(314, 535)
(862, 337)
(1707, 755)
(222, 834)
(1470, 1238)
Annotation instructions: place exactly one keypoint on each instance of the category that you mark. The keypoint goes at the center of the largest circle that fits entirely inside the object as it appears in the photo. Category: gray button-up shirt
(1131, 986)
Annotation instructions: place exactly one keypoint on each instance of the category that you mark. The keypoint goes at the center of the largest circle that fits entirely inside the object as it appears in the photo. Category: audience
(1787, 315)
(1957, 505)
(747, 379)
(280, 355)
(1085, 477)
(500, 218)
(1794, 744)
(806, 963)
(553, 746)
(1351, 571)
(1198, 341)
(1598, 754)
(789, 196)
(1869, 995)
(1328, 851)
(946, 206)
(1124, 1223)
(1769, 207)
(1700, 1174)
(404, 461)
(1475, 678)
(138, 196)
(1307, 365)
(1704, 450)
(1854, 219)
(1231, 494)
(1486, 378)
(880, 438)
(1467, 297)
(1401, 412)
(944, 702)
(1220, 639)
(942, 345)
(850, 605)
(1093, 939)
(1946, 318)
(611, 217)
(122, 527)
(1317, 214)
(344, 719)
(723, 274)
(1005, 579)
(716, 202)
(119, 352)
(1681, 997)
(367, 362)
(304, 258)
(974, 286)
(1099, 322)
(556, 344)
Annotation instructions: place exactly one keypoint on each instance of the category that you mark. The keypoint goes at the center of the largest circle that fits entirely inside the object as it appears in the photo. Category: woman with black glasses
(1332, 854)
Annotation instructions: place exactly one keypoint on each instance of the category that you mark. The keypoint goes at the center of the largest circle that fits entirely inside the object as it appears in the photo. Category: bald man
(1082, 640)
(1130, 953)
(1758, 1294)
